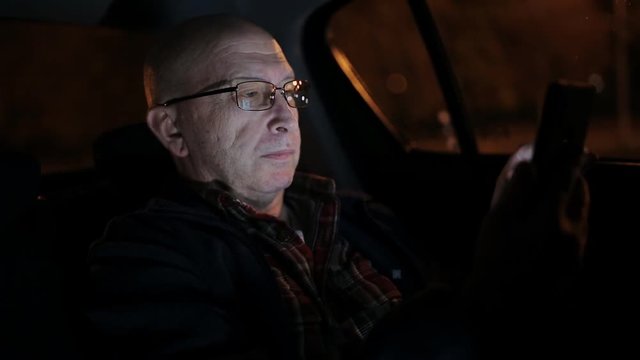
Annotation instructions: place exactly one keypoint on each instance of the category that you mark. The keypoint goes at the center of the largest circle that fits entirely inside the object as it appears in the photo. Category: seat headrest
(132, 157)
(19, 183)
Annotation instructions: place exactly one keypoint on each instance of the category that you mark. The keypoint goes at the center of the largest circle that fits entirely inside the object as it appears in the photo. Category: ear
(162, 123)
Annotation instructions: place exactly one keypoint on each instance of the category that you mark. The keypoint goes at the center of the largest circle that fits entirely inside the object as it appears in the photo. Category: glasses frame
(235, 89)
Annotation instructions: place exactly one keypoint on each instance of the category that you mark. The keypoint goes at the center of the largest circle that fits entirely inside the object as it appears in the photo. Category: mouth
(279, 155)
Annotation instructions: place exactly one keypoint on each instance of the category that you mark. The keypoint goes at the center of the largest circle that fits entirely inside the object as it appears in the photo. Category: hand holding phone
(560, 140)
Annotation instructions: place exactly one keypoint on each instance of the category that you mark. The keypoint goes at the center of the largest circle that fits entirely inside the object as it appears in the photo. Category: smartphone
(562, 131)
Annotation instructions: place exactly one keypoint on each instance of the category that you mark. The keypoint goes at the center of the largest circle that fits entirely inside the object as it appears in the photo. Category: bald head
(177, 57)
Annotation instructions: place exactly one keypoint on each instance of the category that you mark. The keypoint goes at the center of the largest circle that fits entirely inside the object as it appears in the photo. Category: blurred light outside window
(504, 53)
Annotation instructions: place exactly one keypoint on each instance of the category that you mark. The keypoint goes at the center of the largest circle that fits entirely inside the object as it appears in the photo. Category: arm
(524, 289)
(532, 230)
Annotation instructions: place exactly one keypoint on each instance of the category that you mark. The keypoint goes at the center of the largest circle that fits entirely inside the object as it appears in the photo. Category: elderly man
(242, 257)
(226, 263)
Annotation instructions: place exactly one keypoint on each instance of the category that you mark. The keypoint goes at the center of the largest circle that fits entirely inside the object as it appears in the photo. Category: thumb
(517, 193)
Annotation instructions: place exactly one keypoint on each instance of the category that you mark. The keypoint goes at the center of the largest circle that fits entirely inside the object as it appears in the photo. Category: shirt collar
(304, 185)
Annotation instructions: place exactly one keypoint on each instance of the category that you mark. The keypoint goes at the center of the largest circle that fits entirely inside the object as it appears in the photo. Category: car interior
(418, 104)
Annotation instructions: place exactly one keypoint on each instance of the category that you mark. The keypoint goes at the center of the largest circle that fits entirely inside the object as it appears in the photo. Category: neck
(265, 203)
(270, 205)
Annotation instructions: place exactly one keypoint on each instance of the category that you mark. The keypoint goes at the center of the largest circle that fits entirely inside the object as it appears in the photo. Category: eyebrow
(216, 85)
(228, 82)
(289, 77)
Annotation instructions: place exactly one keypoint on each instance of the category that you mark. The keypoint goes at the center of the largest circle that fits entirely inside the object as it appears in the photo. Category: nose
(283, 117)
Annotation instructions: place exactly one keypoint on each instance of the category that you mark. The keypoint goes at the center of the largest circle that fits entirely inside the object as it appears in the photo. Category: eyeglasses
(258, 95)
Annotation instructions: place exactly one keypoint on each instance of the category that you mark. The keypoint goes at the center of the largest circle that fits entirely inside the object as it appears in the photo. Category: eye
(251, 90)
(250, 94)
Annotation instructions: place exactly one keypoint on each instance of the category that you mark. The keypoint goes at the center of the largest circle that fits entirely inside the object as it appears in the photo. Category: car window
(377, 45)
(63, 85)
(504, 54)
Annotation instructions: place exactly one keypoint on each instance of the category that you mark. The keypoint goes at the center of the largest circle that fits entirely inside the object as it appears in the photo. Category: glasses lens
(254, 95)
(296, 93)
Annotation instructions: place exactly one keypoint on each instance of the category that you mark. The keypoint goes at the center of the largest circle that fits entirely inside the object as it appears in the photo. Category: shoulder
(360, 207)
(166, 218)
(359, 210)
(168, 231)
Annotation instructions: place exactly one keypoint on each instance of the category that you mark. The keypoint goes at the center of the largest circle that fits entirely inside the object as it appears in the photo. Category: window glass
(504, 53)
(377, 45)
(63, 85)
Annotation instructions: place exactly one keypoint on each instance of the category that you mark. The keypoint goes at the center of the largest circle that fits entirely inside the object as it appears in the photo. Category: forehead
(246, 56)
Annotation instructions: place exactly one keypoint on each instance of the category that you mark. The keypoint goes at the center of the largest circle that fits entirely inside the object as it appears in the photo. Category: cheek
(229, 140)
(214, 126)
(246, 137)
(243, 130)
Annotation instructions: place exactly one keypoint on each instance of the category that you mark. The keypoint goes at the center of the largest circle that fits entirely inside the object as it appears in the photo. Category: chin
(274, 176)
(278, 181)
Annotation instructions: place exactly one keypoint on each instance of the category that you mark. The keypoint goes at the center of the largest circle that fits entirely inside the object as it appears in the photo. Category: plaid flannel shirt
(333, 292)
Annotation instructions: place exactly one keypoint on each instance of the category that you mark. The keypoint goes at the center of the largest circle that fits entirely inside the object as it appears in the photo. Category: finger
(573, 213)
